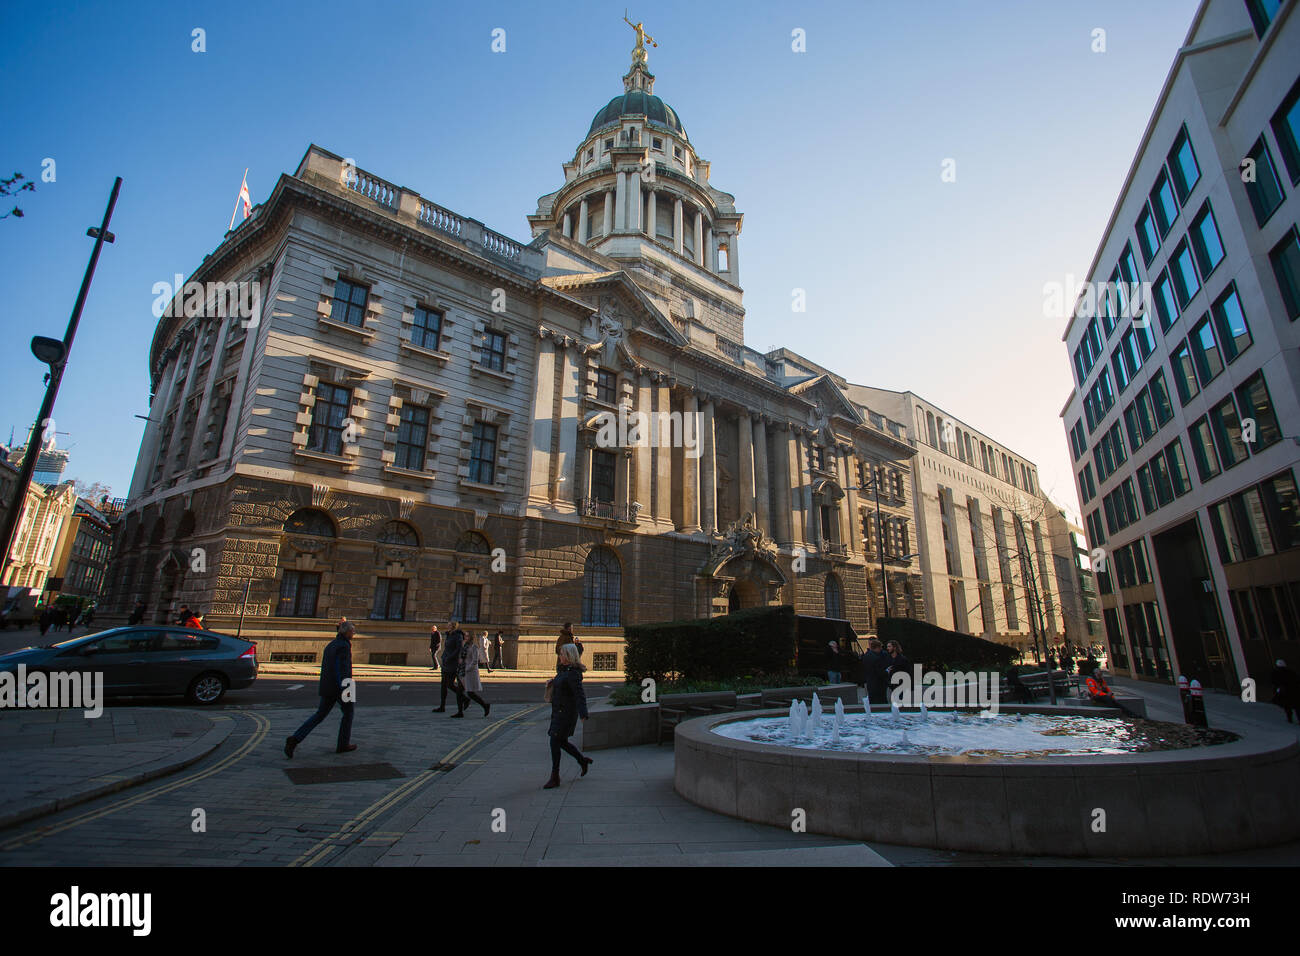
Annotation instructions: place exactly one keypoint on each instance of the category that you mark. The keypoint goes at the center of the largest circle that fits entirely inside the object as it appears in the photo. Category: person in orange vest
(188, 619)
(1098, 691)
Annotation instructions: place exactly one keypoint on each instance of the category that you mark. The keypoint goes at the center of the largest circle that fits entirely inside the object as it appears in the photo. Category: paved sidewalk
(623, 813)
(416, 673)
(55, 759)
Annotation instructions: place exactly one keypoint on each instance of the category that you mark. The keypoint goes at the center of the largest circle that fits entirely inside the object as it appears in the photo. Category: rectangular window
(427, 330)
(349, 303)
(1078, 444)
(1282, 504)
(1148, 238)
(1145, 415)
(412, 437)
(1117, 442)
(1206, 241)
(390, 600)
(1230, 321)
(483, 454)
(1135, 438)
(1203, 453)
(1184, 373)
(1164, 488)
(492, 351)
(603, 465)
(1205, 352)
(466, 606)
(1122, 373)
(1166, 304)
(1285, 258)
(1147, 490)
(1163, 204)
(1256, 405)
(1182, 166)
(1286, 127)
(298, 593)
(606, 386)
(1264, 189)
(1262, 13)
(1227, 433)
(1178, 475)
(1186, 284)
(1160, 398)
(327, 418)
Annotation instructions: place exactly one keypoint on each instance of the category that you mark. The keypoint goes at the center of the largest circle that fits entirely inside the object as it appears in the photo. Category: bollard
(1197, 706)
(1185, 698)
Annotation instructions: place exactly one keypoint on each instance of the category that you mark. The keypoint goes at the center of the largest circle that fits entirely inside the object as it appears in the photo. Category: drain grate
(346, 774)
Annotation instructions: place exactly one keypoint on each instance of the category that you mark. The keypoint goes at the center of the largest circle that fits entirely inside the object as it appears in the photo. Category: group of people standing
(873, 671)
(461, 657)
(53, 618)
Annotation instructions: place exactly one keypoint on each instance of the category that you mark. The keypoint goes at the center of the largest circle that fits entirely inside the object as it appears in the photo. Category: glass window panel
(1184, 374)
(1160, 398)
(1163, 204)
(1178, 474)
(1205, 352)
(1206, 241)
(1182, 164)
(1203, 451)
(1225, 533)
(1283, 506)
(1265, 191)
(1186, 284)
(1286, 128)
(1255, 403)
(1145, 414)
(1148, 238)
(1248, 508)
(1285, 259)
(1160, 478)
(1147, 489)
(1230, 321)
(1227, 433)
(1165, 302)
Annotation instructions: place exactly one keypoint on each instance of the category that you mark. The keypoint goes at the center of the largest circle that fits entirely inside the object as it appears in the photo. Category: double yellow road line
(348, 833)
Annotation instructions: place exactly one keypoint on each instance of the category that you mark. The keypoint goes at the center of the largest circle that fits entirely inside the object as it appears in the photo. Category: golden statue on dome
(639, 51)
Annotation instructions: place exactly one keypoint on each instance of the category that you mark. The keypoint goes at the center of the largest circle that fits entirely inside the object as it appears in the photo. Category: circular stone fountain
(1031, 780)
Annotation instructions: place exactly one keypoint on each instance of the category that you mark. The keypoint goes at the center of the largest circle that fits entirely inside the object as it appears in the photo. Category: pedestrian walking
(486, 643)
(875, 675)
(335, 688)
(1286, 688)
(833, 662)
(568, 703)
(452, 643)
(87, 616)
(188, 618)
(471, 655)
(566, 637)
(435, 640)
(137, 614)
(898, 663)
(497, 644)
(46, 619)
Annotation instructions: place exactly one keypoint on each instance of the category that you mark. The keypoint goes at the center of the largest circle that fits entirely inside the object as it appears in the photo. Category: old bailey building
(425, 421)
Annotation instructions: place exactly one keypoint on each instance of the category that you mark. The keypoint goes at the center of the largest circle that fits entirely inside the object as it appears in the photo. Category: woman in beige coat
(471, 655)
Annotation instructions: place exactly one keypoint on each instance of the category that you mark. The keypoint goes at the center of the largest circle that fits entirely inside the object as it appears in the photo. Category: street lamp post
(53, 353)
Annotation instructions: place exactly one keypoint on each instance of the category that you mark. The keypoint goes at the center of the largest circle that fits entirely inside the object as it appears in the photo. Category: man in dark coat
(497, 644)
(455, 639)
(874, 672)
(898, 664)
(137, 614)
(1286, 688)
(336, 687)
(435, 641)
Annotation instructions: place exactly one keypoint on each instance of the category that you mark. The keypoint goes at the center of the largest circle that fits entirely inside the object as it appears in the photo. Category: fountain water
(816, 712)
(925, 714)
(893, 710)
(839, 720)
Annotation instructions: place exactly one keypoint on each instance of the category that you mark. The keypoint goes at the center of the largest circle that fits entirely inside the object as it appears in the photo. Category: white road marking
(395, 687)
(295, 687)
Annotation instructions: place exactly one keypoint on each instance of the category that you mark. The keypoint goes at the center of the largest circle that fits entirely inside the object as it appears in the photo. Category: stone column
(733, 257)
(609, 214)
(642, 450)
(651, 223)
(153, 430)
(570, 390)
(677, 226)
(745, 450)
(691, 465)
(853, 531)
(634, 205)
(568, 225)
(663, 457)
(708, 470)
(710, 254)
(205, 405)
(795, 498)
(698, 238)
(582, 221)
(620, 203)
(539, 480)
(169, 466)
(761, 489)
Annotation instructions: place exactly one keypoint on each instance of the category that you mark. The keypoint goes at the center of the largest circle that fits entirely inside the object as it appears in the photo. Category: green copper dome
(638, 103)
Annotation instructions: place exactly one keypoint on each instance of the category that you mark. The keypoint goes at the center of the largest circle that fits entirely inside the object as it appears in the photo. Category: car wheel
(207, 688)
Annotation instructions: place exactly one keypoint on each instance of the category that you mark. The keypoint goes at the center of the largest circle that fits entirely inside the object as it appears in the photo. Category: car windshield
(77, 641)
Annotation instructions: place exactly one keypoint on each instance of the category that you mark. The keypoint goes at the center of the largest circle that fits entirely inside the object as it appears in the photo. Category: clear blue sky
(834, 155)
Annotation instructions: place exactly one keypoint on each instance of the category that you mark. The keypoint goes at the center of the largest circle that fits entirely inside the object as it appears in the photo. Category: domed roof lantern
(639, 78)
(638, 97)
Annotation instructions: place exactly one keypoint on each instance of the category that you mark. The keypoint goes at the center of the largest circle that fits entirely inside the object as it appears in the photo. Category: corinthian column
(745, 434)
(642, 449)
(620, 202)
(691, 465)
(708, 471)
(663, 456)
(761, 493)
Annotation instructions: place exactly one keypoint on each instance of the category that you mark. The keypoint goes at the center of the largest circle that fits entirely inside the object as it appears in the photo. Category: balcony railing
(592, 508)
(835, 548)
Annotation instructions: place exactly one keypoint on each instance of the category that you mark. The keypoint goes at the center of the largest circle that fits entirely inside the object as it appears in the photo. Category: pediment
(614, 297)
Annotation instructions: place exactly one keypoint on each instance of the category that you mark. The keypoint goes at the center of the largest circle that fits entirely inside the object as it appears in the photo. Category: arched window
(471, 542)
(399, 532)
(834, 597)
(602, 589)
(310, 521)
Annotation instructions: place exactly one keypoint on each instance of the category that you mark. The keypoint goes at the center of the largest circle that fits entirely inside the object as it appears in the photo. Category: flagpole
(235, 211)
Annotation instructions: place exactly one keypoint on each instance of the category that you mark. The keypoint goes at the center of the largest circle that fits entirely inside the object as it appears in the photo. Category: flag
(244, 199)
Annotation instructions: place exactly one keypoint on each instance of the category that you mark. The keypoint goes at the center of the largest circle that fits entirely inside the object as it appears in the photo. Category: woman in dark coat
(1286, 688)
(568, 703)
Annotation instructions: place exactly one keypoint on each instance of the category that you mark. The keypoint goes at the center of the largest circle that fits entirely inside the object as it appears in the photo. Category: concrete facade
(1187, 395)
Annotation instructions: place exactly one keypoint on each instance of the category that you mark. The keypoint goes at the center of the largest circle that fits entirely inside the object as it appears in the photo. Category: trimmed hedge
(936, 648)
(744, 643)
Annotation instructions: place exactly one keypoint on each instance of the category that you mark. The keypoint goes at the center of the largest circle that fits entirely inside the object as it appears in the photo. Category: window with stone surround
(349, 302)
(834, 597)
(412, 437)
(298, 593)
(602, 589)
(492, 350)
(327, 419)
(483, 453)
(399, 532)
(604, 467)
(310, 521)
(606, 386)
(426, 332)
(466, 607)
(390, 600)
